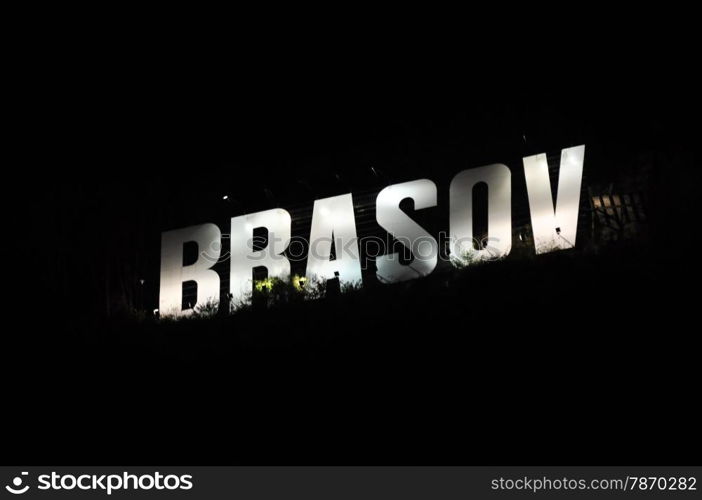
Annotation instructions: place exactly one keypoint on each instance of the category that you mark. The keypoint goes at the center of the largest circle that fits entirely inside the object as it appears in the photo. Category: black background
(564, 360)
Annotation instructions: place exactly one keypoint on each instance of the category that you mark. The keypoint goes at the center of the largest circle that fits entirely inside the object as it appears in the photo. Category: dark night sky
(132, 153)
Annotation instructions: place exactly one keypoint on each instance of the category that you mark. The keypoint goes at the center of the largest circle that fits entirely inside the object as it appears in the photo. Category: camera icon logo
(17, 482)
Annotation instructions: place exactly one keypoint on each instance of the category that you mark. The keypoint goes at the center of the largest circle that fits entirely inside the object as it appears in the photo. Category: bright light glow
(266, 284)
(299, 281)
(225, 197)
(554, 229)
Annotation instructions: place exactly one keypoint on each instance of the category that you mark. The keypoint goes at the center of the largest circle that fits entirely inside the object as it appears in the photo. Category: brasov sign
(554, 228)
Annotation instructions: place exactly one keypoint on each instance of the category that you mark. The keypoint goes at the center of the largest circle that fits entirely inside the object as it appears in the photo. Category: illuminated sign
(333, 222)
